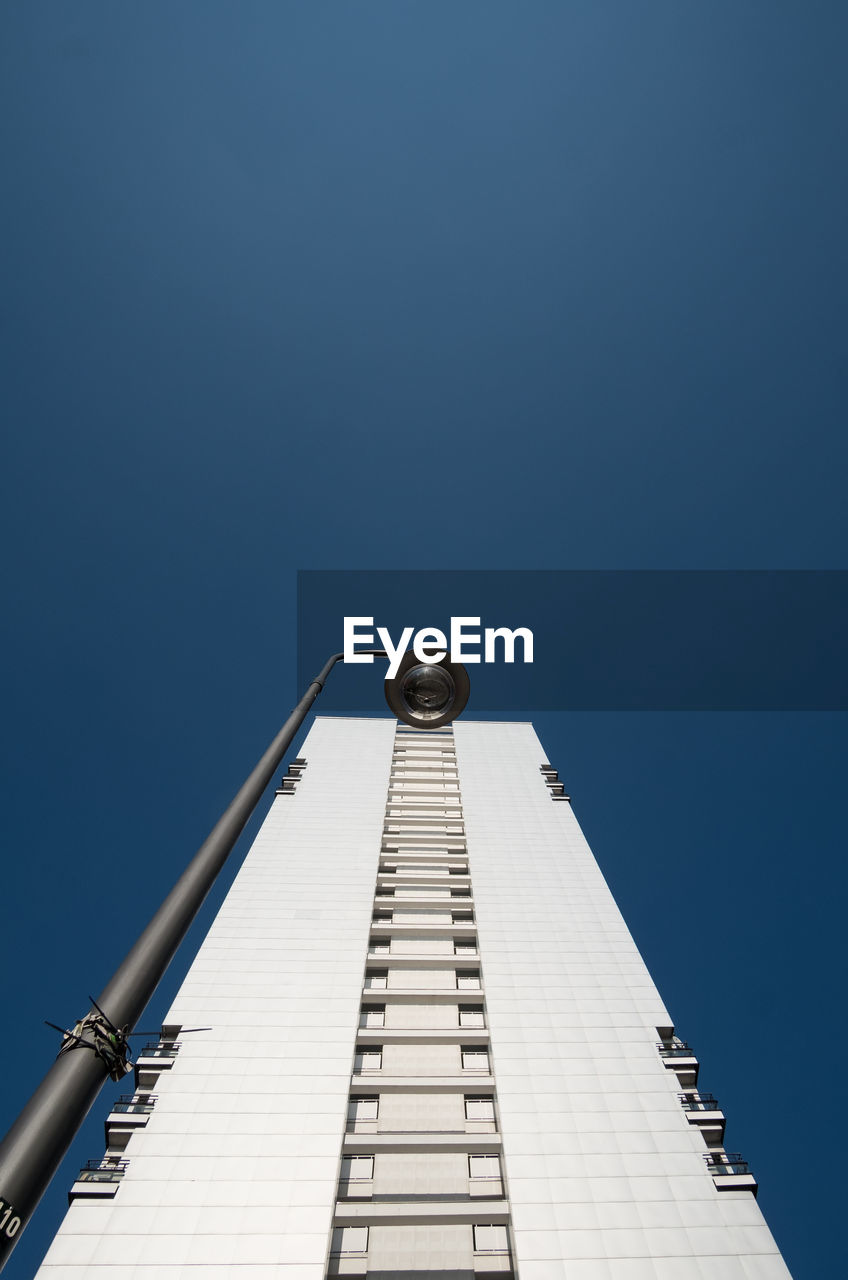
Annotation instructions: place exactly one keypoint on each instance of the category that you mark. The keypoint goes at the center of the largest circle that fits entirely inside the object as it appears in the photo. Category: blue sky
(409, 285)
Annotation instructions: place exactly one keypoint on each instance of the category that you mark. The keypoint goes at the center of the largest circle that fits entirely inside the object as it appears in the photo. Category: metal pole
(37, 1141)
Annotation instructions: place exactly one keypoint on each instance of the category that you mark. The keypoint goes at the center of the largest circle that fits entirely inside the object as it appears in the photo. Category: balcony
(401, 804)
(702, 1111)
(551, 778)
(678, 1057)
(421, 844)
(421, 1206)
(730, 1172)
(427, 1083)
(413, 1210)
(427, 899)
(465, 1034)
(98, 1179)
(152, 1060)
(348, 1264)
(384, 926)
(432, 843)
(129, 1113)
(495, 1262)
(453, 950)
(356, 1189)
(429, 878)
(376, 996)
(420, 826)
(360, 1142)
(432, 857)
(486, 1188)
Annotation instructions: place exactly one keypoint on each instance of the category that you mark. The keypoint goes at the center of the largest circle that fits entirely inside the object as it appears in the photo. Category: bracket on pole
(97, 1033)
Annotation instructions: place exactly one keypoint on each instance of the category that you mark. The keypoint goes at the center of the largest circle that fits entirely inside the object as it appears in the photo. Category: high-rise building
(433, 1050)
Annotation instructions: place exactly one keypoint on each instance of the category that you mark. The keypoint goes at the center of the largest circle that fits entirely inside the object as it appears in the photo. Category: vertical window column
(422, 1130)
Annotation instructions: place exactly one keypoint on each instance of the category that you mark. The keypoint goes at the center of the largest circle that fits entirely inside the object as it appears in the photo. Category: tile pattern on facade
(607, 1178)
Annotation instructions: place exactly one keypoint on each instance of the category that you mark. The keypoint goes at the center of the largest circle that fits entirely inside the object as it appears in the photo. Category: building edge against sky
(434, 1049)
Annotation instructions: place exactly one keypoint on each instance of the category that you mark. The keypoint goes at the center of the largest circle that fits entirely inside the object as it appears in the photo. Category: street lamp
(428, 695)
(423, 695)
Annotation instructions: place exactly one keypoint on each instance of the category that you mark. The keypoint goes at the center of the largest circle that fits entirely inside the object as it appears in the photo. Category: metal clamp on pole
(96, 1032)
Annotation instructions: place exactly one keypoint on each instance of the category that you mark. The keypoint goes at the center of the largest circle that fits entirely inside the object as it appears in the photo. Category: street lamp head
(428, 695)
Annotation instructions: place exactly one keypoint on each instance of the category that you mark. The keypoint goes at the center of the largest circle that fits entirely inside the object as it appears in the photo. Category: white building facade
(433, 1051)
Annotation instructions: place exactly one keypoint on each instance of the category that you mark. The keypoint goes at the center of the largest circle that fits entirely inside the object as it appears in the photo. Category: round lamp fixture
(428, 695)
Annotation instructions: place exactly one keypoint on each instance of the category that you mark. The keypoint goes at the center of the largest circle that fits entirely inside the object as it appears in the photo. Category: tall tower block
(434, 1053)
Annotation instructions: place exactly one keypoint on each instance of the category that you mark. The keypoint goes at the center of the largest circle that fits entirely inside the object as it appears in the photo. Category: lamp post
(97, 1047)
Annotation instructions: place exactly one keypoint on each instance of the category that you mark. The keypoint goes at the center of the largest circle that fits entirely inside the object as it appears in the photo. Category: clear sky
(430, 285)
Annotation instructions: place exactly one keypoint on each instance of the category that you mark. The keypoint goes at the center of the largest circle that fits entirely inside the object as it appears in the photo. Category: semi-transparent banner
(602, 640)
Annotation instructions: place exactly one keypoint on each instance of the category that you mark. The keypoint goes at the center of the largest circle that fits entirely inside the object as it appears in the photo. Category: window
(460, 893)
(362, 1109)
(462, 917)
(484, 1167)
(471, 1015)
(370, 1059)
(468, 979)
(372, 1015)
(464, 948)
(382, 917)
(379, 947)
(490, 1238)
(361, 1168)
(475, 1059)
(348, 1240)
(376, 979)
(479, 1108)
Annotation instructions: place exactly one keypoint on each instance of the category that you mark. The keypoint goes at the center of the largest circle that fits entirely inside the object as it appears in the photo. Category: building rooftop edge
(460, 720)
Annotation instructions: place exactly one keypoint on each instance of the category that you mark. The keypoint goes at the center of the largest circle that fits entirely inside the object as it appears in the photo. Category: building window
(376, 979)
(475, 1059)
(362, 1111)
(488, 1167)
(471, 1015)
(370, 1059)
(379, 947)
(468, 980)
(349, 1240)
(382, 917)
(462, 917)
(462, 948)
(372, 1015)
(490, 1238)
(361, 1168)
(479, 1108)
